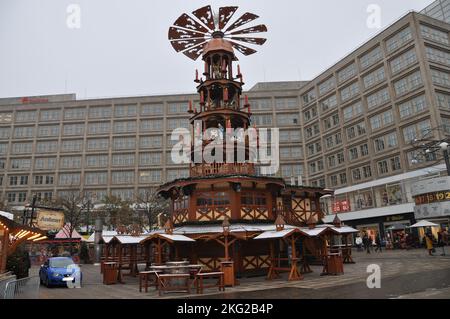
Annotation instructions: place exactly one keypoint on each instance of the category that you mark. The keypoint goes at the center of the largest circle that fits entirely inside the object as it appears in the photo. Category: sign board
(430, 186)
(49, 220)
(341, 206)
(433, 210)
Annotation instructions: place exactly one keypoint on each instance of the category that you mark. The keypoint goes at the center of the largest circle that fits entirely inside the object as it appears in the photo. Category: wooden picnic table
(145, 277)
(165, 283)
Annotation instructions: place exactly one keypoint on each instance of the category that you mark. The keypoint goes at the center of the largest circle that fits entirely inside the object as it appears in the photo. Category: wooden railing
(223, 169)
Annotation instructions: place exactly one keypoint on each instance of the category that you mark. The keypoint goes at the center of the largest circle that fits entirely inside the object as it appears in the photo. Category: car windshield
(61, 263)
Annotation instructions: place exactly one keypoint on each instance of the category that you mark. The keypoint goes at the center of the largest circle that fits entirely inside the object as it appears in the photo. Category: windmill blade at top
(242, 48)
(183, 34)
(186, 22)
(256, 29)
(191, 33)
(205, 15)
(194, 52)
(225, 15)
(256, 41)
(246, 18)
(181, 45)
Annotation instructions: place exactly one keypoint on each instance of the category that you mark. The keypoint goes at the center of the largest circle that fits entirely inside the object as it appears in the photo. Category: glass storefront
(371, 230)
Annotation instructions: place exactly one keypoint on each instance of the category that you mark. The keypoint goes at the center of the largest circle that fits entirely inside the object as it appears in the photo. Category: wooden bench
(165, 283)
(200, 285)
(145, 277)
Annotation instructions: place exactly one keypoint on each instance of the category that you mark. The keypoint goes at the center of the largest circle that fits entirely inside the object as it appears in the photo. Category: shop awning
(372, 213)
(424, 223)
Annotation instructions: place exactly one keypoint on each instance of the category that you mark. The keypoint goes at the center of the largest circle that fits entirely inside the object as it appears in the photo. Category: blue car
(59, 271)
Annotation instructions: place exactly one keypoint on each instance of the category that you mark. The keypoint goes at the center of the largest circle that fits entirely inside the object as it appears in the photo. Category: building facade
(349, 129)
(51, 145)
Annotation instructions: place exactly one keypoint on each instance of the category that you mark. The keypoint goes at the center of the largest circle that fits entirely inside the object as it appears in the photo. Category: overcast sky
(121, 47)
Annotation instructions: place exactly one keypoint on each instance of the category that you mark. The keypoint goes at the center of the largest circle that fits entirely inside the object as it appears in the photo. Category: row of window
(99, 178)
(376, 99)
(375, 55)
(365, 61)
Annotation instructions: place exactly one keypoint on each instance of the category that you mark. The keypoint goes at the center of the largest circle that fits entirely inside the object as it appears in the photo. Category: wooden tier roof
(221, 179)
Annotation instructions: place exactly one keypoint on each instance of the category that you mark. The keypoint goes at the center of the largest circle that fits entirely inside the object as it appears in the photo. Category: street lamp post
(444, 147)
(97, 238)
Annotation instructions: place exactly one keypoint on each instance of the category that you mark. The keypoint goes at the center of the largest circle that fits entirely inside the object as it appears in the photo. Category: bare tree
(117, 212)
(73, 205)
(150, 205)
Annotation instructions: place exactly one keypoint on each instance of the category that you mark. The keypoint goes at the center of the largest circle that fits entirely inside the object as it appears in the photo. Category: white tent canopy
(424, 223)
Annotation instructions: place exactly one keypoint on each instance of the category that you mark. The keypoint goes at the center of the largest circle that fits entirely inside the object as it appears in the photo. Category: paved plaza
(404, 274)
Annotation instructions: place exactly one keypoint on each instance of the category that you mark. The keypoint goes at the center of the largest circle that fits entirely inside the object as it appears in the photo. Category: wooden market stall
(127, 252)
(159, 242)
(12, 235)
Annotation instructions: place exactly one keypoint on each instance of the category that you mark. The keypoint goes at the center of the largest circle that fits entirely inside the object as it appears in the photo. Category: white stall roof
(172, 238)
(129, 239)
(234, 228)
(7, 215)
(314, 232)
(105, 233)
(276, 234)
(344, 230)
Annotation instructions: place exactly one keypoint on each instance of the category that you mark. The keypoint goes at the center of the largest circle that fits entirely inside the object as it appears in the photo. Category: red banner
(341, 206)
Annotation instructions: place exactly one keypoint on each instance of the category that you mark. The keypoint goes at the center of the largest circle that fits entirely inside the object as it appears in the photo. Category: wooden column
(159, 252)
(305, 268)
(272, 274)
(4, 244)
(236, 205)
(192, 215)
(227, 253)
(177, 252)
(294, 274)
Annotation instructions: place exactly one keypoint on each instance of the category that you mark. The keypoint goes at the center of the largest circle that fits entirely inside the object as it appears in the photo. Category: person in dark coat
(366, 243)
(442, 239)
(378, 244)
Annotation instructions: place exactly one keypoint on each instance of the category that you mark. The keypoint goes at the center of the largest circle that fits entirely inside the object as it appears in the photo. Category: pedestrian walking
(442, 239)
(366, 243)
(429, 243)
(359, 242)
(378, 244)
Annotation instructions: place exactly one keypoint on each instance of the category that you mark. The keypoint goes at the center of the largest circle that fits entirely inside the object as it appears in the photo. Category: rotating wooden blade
(183, 34)
(225, 15)
(246, 18)
(194, 52)
(205, 15)
(257, 41)
(187, 22)
(256, 29)
(242, 48)
(181, 45)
